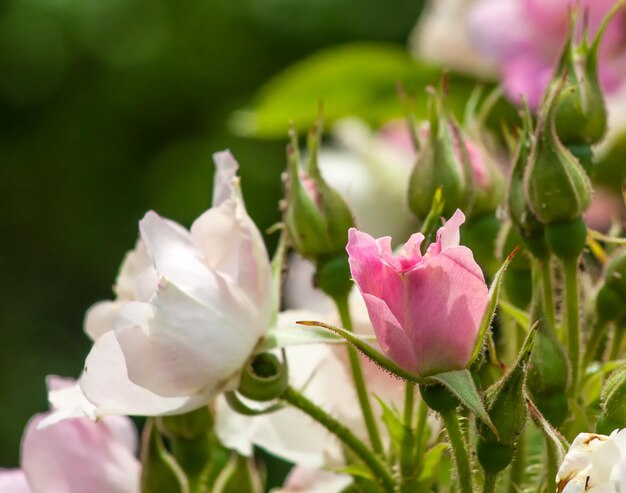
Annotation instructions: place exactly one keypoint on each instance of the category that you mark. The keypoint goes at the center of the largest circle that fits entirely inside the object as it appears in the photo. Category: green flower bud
(614, 400)
(548, 377)
(581, 116)
(332, 276)
(442, 162)
(159, 471)
(239, 476)
(555, 186)
(611, 296)
(479, 235)
(264, 378)
(316, 216)
(506, 405)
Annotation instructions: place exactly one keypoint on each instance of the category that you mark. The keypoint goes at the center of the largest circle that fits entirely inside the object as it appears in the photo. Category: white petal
(106, 384)
(99, 317)
(183, 348)
(137, 279)
(225, 174)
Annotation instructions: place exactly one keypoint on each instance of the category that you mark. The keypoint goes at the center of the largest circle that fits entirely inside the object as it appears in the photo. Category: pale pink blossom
(526, 38)
(425, 309)
(594, 463)
(322, 373)
(306, 480)
(192, 306)
(76, 455)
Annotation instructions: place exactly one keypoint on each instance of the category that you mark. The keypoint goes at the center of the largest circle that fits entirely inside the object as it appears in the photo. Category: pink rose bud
(426, 309)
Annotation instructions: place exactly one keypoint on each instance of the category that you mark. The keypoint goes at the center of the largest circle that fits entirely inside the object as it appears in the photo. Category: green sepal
(554, 439)
(239, 476)
(237, 405)
(160, 471)
(459, 382)
(264, 378)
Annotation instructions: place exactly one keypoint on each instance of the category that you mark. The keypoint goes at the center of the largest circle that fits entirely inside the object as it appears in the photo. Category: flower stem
(420, 428)
(407, 465)
(553, 465)
(548, 293)
(570, 268)
(489, 485)
(377, 467)
(597, 334)
(459, 450)
(359, 381)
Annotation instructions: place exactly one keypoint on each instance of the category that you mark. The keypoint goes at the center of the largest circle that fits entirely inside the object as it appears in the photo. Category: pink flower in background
(425, 309)
(76, 455)
(306, 480)
(526, 37)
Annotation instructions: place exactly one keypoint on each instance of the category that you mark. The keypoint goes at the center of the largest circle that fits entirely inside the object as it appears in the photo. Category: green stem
(548, 293)
(489, 485)
(422, 415)
(407, 465)
(459, 450)
(359, 381)
(570, 268)
(376, 466)
(616, 345)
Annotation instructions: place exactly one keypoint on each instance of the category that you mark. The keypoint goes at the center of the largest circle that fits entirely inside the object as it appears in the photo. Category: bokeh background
(110, 108)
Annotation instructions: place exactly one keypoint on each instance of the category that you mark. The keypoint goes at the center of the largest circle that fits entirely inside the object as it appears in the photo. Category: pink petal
(76, 456)
(13, 481)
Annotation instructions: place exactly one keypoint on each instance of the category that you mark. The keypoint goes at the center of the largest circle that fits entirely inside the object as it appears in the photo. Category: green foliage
(352, 80)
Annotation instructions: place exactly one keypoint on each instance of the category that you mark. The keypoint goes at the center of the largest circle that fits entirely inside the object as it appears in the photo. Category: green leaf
(431, 463)
(461, 384)
(159, 472)
(393, 423)
(358, 80)
(592, 382)
(494, 293)
(285, 335)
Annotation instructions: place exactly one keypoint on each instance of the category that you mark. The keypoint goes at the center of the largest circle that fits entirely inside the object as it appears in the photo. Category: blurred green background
(110, 108)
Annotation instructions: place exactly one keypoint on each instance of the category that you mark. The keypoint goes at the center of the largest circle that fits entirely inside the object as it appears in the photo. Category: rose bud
(425, 309)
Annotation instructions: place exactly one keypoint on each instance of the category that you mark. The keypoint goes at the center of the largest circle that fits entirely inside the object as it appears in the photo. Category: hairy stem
(372, 461)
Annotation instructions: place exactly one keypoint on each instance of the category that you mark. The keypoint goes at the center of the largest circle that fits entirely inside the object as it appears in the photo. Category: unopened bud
(506, 405)
(613, 402)
(443, 162)
(556, 187)
(239, 476)
(316, 215)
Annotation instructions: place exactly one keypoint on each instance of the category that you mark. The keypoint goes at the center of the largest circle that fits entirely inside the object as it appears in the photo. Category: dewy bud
(556, 186)
(581, 116)
(613, 402)
(442, 162)
(506, 405)
(316, 216)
